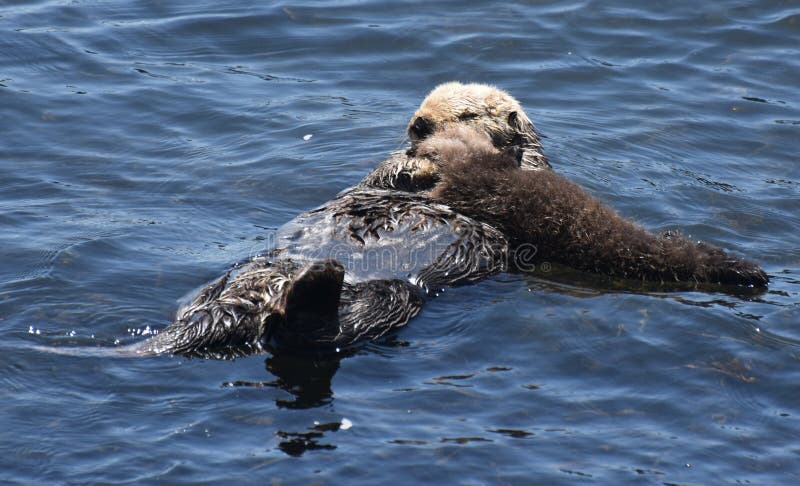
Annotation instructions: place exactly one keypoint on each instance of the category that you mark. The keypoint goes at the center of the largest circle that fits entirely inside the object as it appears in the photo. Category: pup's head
(483, 108)
(467, 149)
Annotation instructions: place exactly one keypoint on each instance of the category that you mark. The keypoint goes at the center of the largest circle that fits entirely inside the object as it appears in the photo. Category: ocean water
(145, 146)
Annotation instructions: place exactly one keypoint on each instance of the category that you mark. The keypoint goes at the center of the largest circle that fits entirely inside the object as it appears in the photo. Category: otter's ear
(525, 136)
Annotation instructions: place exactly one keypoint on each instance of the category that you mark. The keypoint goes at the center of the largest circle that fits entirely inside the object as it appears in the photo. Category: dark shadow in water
(297, 443)
(307, 378)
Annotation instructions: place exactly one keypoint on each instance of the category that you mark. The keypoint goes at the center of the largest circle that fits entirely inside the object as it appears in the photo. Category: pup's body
(564, 222)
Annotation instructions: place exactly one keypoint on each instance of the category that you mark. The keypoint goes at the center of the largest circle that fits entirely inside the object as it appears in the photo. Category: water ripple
(146, 146)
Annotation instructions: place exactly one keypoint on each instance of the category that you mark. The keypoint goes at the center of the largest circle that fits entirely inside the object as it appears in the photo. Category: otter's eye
(467, 116)
(421, 128)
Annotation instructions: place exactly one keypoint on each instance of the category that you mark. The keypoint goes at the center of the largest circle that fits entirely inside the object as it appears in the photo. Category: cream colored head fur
(484, 108)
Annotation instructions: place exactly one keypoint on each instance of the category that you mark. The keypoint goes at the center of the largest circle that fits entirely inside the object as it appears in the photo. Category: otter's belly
(392, 235)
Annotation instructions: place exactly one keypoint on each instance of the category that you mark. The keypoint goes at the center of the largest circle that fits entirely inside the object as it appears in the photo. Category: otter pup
(564, 222)
(486, 109)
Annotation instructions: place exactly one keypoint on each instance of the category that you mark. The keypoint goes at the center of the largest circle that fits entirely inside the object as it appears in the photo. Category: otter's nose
(420, 129)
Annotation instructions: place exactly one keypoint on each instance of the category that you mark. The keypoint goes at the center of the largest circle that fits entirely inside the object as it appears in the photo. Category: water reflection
(297, 443)
(307, 379)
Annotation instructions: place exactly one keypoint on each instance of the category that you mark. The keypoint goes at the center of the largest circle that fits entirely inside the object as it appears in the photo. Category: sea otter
(564, 222)
(473, 185)
(301, 296)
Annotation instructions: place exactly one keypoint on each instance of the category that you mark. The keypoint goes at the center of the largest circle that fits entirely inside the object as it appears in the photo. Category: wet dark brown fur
(564, 222)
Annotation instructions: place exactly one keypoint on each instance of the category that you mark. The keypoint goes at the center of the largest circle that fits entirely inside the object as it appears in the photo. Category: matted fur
(296, 297)
(565, 223)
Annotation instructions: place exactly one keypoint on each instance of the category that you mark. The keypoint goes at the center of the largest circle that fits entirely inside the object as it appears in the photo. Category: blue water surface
(145, 146)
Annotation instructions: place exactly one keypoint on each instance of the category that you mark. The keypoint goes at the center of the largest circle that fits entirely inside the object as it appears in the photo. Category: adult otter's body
(357, 268)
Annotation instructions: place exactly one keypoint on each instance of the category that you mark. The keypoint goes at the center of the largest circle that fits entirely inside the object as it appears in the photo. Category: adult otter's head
(484, 108)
